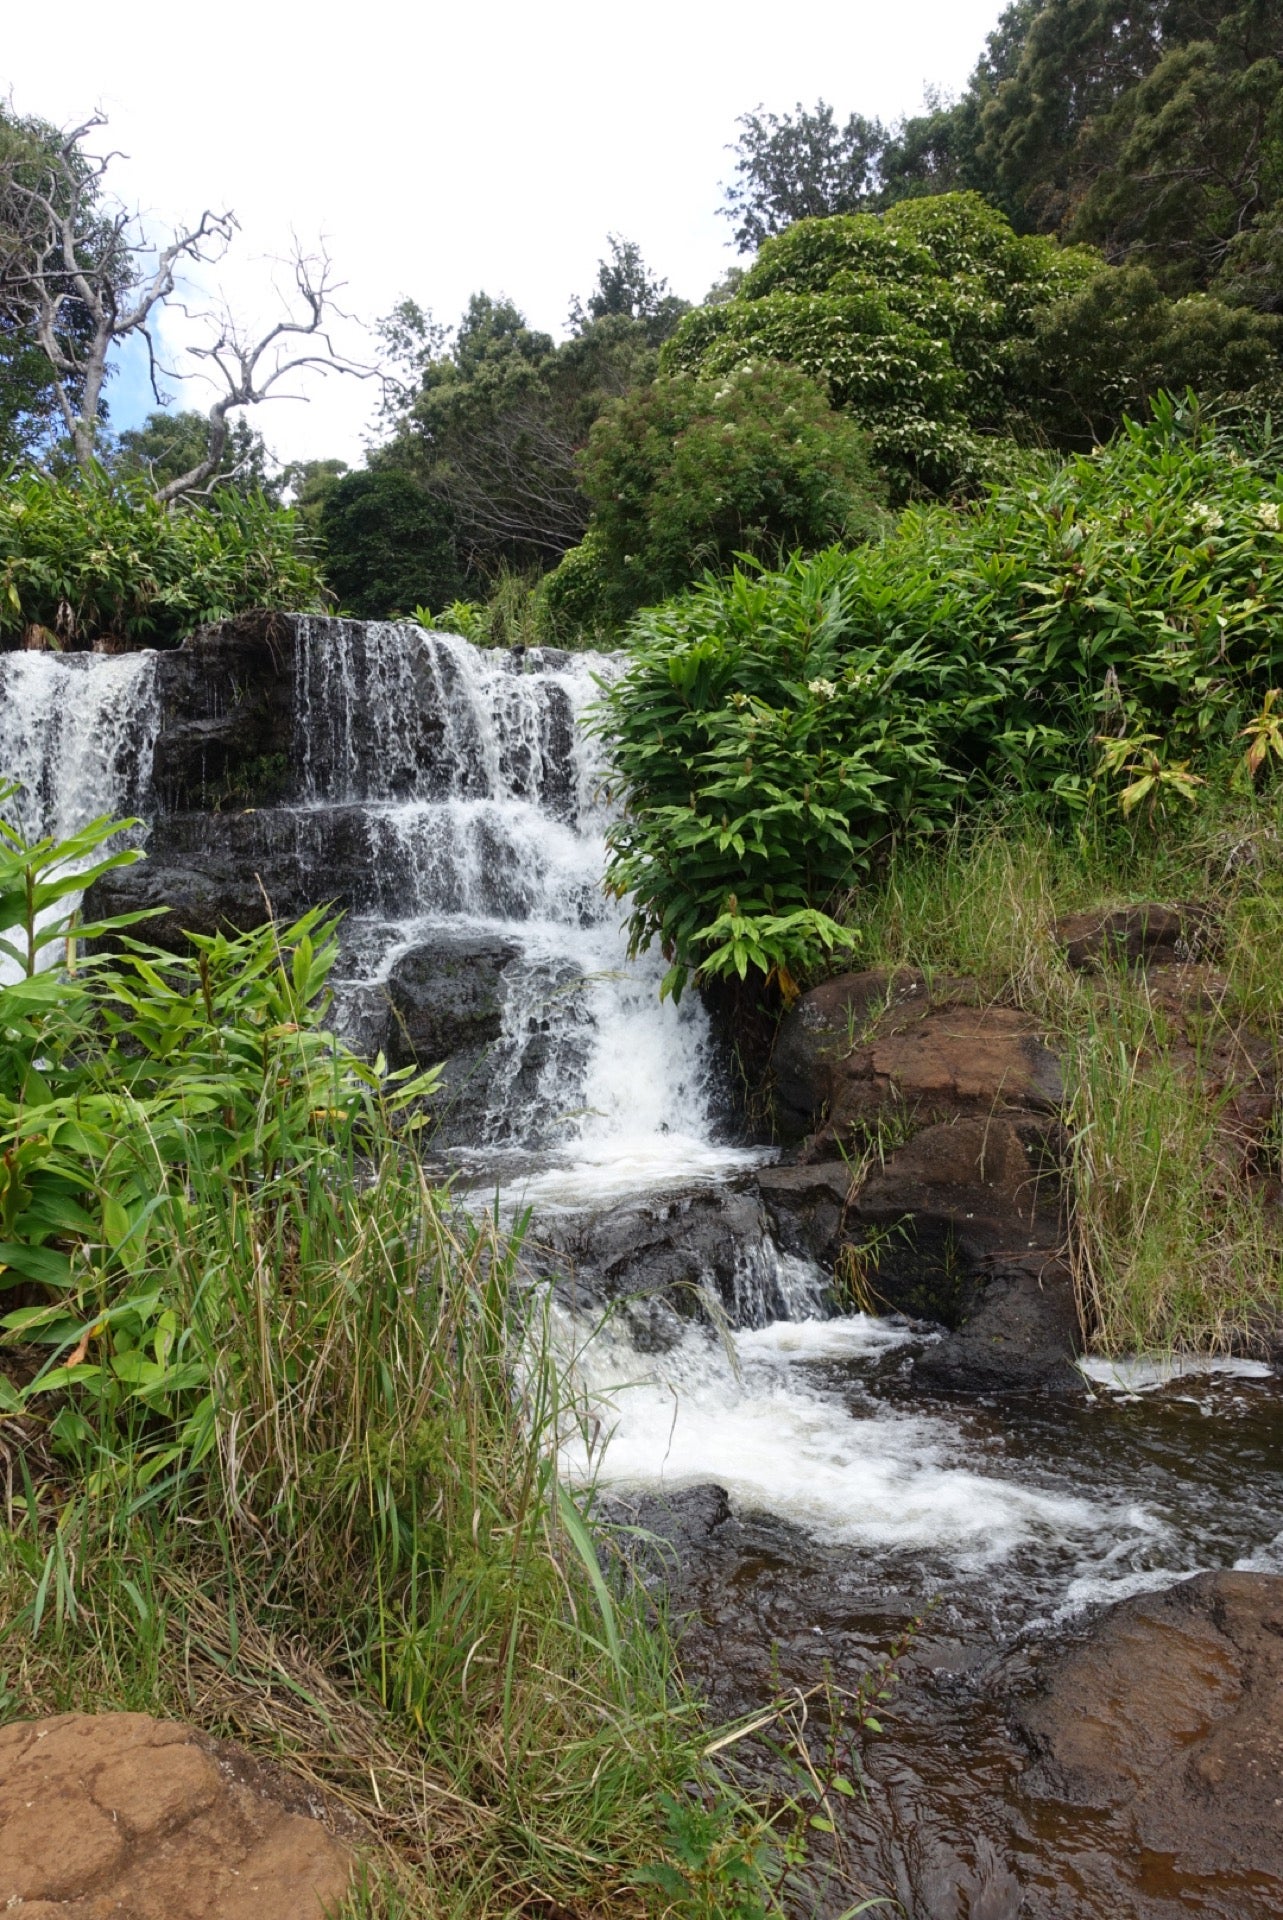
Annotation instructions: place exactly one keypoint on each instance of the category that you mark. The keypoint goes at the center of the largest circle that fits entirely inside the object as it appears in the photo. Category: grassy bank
(275, 1444)
(1176, 1235)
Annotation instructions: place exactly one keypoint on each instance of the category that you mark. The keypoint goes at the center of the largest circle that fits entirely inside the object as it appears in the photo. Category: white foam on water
(77, 733)
(483, 810)
(1147, 1372)
(745, 1416)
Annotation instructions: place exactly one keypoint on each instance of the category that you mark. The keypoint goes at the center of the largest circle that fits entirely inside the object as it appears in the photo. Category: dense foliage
(946, 333)
(688, 473)
(388, 542)
(1153, 128)
(1103, 627)
(490, 417)
(104, 559)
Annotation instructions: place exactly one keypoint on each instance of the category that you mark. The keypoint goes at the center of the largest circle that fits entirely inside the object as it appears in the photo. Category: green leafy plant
(104, 558)
(778, 733)
(687, 473)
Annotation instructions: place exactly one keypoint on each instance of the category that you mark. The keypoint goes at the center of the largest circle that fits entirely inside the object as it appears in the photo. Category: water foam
(738, 1409)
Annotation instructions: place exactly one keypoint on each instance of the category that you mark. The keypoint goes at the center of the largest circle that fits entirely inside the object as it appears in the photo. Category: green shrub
(280, 1434)
(923, 323)
(105, 558)
(688, 473)
(576, 595)
(778, 732)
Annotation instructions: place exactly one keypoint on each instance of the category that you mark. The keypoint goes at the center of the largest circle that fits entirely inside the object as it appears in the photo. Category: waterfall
(77, 733)
(471, 776)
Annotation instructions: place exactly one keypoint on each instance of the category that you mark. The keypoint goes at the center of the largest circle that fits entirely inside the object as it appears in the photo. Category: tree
(1187, 170)
(1110, 348)
(951, 337)
(687, 473)
(941, 150)
(30, 419)
(627, 290)
(912, 320)
(79, 274)
(798, 166)
(308, 484)
(492, 417)
(170, 444)
(389, 544)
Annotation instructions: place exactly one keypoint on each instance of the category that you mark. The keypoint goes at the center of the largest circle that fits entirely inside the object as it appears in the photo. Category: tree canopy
(950, 336)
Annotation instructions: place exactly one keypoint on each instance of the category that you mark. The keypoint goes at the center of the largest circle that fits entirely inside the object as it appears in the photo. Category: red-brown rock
(1132, 936)
(1170, 1715)
(874, 1048)
(125, 1816)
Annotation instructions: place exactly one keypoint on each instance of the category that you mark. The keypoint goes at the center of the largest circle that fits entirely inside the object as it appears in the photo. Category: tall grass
(1174, 1238)
(278, 1428)
(370, 1573)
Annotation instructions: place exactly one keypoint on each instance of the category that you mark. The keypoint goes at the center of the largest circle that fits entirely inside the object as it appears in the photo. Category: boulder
(1132, 936)
(1021, 1335)
(677, 1248)
(1168, 1715)
(877, 1051)
(119, 1813)
(807, 1207)
(446, 997)
(962, 1225)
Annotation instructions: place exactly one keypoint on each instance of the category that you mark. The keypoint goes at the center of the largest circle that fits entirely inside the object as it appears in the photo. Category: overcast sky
(441, 149)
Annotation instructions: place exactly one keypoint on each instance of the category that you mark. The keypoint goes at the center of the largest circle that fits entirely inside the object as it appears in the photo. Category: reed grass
(374, 1574)
(1172, 1228)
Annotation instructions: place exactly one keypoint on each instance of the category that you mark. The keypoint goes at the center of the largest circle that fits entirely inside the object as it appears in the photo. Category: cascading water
(452, 791)
(77, 733)
(472, 779)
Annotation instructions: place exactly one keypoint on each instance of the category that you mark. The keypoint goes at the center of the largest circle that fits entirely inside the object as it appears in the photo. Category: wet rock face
(933, 1159)
(663, 1257)
(123, 1814)
(1171, 1713)
(446, 997)
(227, 714)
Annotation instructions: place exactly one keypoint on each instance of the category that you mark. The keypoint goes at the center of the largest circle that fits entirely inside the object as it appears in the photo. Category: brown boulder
(1170, 1715)
(1131, 936)
(874, 1049)
(141, 1819)
(962, 1225)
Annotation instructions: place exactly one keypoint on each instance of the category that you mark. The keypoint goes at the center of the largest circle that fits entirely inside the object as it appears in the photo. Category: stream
(855, 1502)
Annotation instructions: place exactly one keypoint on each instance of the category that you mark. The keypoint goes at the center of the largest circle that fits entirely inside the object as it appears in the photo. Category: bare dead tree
(65, 250)
(251, 370)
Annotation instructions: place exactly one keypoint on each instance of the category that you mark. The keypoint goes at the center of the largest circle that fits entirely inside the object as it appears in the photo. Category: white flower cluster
(824, 689)
(1268, 515)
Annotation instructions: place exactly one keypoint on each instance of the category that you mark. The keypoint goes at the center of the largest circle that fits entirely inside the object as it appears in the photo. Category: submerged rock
(120, 1813)
(1170, 1713)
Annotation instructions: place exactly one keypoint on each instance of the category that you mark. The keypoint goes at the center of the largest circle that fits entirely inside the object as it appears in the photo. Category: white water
(478, 786)
(756, 1412)
(490, 820)
(77, 734)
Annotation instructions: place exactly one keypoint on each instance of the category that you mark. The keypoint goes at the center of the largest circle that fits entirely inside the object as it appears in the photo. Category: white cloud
(442, 149)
